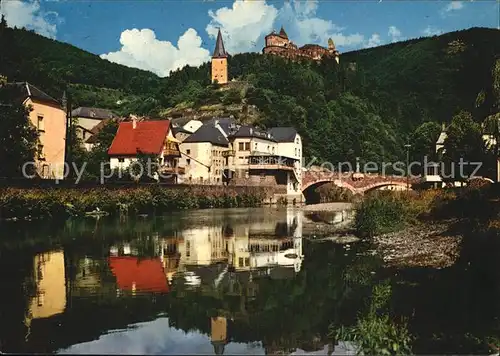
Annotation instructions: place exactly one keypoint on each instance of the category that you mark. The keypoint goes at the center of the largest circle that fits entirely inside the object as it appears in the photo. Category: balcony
(271, 162)
(173, 170)
(171, 152)
(230, 153)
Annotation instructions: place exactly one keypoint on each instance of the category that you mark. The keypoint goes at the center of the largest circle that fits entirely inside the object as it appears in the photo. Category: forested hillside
(365, 107)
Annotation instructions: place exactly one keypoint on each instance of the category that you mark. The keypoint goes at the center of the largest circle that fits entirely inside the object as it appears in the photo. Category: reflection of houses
(202, 246)
(135, 274)
(218, 334)
(50, 280)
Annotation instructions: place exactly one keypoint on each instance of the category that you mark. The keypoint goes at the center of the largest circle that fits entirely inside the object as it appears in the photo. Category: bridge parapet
(355, 182)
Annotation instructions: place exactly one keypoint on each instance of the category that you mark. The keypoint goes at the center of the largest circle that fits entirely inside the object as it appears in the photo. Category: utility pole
(408, 164)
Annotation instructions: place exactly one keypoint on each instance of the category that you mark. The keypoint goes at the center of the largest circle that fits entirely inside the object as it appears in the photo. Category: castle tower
(219, 62)
(332, 50)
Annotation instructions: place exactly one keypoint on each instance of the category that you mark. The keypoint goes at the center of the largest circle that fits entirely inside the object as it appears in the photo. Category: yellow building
(50, 280)
(50, 120)
(219, 62)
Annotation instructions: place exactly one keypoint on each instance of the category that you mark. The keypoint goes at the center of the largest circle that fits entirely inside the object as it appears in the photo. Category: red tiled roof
(147, 274)
(148, 137)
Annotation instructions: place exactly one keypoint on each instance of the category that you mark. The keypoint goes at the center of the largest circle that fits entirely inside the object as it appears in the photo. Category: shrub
(63, 202)
(375, 333)
(379, 214)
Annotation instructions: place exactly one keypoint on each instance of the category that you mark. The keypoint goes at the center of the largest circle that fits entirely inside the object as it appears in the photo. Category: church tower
(219, 62)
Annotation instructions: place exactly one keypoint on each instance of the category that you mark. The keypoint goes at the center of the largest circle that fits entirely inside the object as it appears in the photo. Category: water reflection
(209, 276)
(49, 276)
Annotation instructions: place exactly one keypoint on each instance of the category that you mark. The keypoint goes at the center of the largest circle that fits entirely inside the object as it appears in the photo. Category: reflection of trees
(286, 313)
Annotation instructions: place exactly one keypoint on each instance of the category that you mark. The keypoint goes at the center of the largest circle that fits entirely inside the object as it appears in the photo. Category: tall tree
(423, 141)
(464, 141)
(18, 137)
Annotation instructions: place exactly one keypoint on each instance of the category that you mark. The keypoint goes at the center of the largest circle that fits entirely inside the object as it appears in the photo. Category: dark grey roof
(227, 124)
(93, 113)
(250, 131)
(283, 134)
(180, 121)
(208, 133)
(219, 51)
(29, 90)
(177, 129)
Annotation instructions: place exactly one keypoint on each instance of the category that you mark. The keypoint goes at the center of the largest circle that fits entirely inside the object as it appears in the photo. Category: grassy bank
(385, 211)
(64, 202)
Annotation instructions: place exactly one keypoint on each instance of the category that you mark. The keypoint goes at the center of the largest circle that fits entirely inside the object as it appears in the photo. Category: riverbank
(415, 244)
(18, 203)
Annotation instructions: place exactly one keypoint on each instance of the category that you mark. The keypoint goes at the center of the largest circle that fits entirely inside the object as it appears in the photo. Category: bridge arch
(377, 186)
(337, 182)
(311, 197)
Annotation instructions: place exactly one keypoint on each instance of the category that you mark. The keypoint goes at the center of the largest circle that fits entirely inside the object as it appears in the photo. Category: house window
(240, 262)
(247, 146)
(296, 152)
(241, 146)
(121, 160)
(40, 123)
(268, 149)
(297, 140)
(299, 151)
(188, 161)
(273, 150)
(41, 156)
(256, 146)
(247, 261)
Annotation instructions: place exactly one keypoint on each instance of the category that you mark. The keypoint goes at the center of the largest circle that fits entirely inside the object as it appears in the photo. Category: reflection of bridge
(357, 183)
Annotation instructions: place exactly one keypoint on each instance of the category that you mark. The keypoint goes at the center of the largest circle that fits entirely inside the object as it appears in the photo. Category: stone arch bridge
(357, 183)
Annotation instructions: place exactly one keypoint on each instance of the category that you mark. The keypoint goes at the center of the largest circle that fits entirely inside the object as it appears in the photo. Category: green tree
(423, 142)
(18, 137)
(98, 157)
(464, 141)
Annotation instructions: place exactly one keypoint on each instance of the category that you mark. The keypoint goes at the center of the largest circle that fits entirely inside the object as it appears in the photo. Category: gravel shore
(328, 207)
(419, 246)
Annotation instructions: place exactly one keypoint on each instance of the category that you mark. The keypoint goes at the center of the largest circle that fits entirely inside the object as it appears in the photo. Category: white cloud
(28, 14)
(303, 26)
(141, 49)
(453, 6)
(243, 24)
(431, 31)
(395, 34)
(374, 41)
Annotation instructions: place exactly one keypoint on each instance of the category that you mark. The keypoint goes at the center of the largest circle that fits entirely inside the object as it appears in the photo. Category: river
(232, 281)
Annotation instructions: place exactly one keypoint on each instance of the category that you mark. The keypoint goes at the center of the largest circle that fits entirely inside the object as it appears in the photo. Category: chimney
(251, 131)
(134, 122)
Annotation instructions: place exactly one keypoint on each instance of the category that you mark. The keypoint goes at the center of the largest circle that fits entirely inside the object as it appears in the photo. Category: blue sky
(164, 35)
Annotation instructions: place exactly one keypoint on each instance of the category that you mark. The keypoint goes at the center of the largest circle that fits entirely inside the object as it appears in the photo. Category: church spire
(219, 51)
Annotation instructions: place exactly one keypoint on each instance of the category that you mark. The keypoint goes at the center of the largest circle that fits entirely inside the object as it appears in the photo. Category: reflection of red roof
(147, 274)
(148, 137)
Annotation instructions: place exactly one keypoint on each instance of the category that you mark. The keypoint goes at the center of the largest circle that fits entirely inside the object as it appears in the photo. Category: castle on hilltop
(279, 44)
